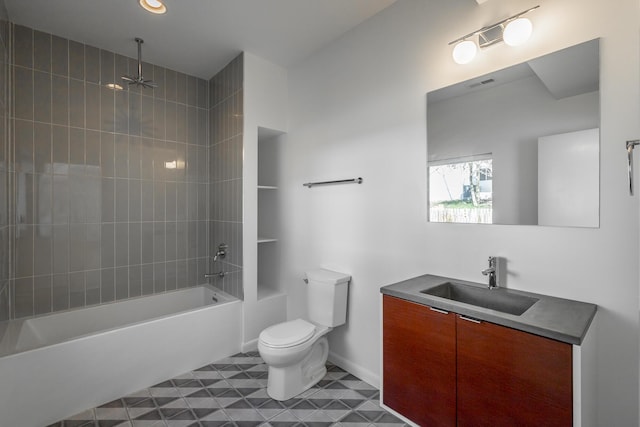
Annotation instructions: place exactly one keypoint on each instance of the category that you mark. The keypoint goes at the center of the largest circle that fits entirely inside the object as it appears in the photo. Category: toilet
(296, 351)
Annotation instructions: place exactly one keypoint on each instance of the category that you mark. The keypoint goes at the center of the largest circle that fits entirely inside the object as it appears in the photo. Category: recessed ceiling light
(153, 6)
(114, 86)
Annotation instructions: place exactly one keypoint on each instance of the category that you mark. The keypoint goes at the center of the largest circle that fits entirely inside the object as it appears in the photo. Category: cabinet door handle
(469, 319)
(437, 310)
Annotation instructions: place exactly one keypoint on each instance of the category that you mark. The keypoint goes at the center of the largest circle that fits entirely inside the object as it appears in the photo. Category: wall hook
(630, 145)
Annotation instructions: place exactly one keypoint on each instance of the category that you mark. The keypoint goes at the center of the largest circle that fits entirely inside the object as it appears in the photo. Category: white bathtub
(54, 366)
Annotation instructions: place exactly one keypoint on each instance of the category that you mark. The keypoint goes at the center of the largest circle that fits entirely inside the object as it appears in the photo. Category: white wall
(357, 108)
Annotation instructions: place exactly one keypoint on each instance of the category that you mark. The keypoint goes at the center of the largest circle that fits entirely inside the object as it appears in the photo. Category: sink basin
(494, 299)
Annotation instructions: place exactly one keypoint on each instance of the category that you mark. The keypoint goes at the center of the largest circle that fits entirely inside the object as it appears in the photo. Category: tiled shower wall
(111, 187)
(4, 168)
(226, 120)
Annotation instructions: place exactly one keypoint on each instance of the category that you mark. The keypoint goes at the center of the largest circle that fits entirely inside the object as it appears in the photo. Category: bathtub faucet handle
(222, 252)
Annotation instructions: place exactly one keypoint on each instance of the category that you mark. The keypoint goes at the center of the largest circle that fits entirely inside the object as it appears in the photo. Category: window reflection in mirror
(461, 190)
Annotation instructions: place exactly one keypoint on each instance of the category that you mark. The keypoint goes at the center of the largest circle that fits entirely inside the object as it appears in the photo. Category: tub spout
(219, 274)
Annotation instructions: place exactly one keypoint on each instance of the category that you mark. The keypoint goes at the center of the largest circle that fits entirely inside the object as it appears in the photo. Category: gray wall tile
(107, 243)
(159, 78)
(24, 151)
(60, 149)
(147, 279)
(60, 199)
(76, 60)
(122, 283)
(107, 285)
(171, 275)
(135, 281)
(42, 51)
(42, 293)
(107, 109)
(159, 277)
(92, 64)
(181, 88)
(122, 245)
(59, 56)
(92, 287)
(76, 289)
(170, 85)
(23, 297)
(23, 89)
(135, 243)
(23, 46)
(42, 249)
(76, 103)
(60, 100)
(135, 113)
(77, 247)
(61, 292)
(92, 106)
(60, 249)
(146, 233)
(42, 102)
(107, 67)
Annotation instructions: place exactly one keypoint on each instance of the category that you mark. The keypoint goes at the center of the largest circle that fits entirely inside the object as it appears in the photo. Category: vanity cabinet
(442, 369)
(507, 377)
(419, 352)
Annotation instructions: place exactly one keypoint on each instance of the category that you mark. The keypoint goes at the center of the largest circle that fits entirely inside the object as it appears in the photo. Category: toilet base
(289, 381)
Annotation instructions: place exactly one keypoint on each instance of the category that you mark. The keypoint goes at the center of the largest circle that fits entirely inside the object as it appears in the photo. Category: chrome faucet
(492, 272)
(221, 253)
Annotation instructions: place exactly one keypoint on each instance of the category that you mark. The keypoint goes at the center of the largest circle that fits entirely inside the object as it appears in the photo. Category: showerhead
(138, 80)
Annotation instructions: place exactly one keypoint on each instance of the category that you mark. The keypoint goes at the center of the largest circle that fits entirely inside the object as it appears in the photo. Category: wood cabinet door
(511, 378)
(419, 362)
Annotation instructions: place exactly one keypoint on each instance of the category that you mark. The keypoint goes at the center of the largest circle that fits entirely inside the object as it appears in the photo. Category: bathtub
(54, 366)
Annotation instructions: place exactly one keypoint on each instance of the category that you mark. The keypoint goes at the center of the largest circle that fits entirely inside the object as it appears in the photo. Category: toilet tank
(327, 297)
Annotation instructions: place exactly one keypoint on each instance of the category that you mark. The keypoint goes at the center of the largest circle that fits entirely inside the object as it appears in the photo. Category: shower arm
(139, 41)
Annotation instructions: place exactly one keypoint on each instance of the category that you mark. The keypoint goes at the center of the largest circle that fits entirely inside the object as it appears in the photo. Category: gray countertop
(556, 318)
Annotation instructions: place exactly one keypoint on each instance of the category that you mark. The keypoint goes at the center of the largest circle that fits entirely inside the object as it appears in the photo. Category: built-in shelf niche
(268, 215)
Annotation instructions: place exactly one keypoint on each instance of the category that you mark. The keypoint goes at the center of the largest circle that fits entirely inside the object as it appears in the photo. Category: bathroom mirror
(520, 145)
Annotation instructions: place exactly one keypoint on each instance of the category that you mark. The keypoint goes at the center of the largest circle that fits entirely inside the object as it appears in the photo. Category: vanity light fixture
(153, 6)
(514, 31)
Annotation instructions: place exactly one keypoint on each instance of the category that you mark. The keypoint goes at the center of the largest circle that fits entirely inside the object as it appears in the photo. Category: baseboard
(355, 369)
(250, 346)
(398, 415)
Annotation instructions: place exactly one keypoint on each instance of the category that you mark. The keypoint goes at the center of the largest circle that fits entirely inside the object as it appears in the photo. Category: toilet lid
(287, 334)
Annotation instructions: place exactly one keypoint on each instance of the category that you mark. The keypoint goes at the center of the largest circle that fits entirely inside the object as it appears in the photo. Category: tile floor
(232, 392)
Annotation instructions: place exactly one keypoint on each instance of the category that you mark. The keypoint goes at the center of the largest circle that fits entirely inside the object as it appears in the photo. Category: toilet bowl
(296, 351)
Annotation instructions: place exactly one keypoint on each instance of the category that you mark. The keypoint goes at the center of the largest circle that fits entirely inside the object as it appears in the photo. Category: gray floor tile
(232, 393)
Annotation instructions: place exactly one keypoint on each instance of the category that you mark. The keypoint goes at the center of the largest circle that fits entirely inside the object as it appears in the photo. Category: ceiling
(199, 37)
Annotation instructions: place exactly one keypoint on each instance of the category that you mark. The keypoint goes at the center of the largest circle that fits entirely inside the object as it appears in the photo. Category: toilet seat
(287, 334)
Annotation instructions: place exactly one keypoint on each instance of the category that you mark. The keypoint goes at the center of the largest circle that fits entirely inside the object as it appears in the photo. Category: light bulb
(464, 52)
(517, 32)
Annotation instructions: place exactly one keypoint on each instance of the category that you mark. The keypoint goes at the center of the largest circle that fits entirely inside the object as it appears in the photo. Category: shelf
(266, 239)
(265, 291)
(267, 187)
